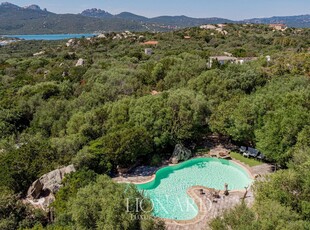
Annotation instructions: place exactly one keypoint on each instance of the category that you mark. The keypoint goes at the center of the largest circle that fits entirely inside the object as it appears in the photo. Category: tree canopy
(122, 107)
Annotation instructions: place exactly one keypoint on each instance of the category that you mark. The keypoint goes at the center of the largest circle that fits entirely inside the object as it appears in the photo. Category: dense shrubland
(102, 115)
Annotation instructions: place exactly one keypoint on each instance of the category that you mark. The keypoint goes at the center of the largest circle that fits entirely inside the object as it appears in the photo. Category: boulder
(35, 189)
(65, 74)
(39, 53)
(70, 42)
(180, 153)
(80, 62)
(46, 72)
(101, 36)
(52, 181)
(46, 186)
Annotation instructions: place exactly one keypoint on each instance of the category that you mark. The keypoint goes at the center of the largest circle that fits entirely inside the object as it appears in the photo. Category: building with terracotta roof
(154, 43)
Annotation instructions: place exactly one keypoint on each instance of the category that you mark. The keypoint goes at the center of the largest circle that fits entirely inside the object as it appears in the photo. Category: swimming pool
(168, 190)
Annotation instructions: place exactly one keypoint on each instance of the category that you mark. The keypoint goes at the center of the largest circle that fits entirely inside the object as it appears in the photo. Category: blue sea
(50, 36)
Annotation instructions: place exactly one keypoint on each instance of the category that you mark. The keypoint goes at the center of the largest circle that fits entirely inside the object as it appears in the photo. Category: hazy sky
(231, 9)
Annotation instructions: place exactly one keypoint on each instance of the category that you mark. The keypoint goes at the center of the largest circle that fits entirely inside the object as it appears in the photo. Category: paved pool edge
(153, 177)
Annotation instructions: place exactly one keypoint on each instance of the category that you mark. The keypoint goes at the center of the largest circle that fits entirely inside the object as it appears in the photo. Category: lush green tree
(189, 112)
(108, 205)
(279, 132)
(152, 113)
(25, 162)
(50, 118)
(240, 217)
(180, 72)
(14, 214)
(120, 148)
(102, 115)
(71, 185)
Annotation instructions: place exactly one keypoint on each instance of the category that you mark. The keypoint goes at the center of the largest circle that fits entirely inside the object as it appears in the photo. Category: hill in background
(300, 21)
(34, 20)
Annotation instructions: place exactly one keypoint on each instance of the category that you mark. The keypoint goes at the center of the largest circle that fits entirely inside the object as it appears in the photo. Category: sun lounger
(243, 149)
(260, 156)
(253, 152)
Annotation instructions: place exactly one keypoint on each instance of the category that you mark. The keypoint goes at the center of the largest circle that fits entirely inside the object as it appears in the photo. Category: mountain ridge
(34, 20)
(291, 21)
(96, 13)
(31, 20)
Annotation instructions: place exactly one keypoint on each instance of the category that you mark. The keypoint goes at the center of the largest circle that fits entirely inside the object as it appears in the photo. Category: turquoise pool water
(168, 190)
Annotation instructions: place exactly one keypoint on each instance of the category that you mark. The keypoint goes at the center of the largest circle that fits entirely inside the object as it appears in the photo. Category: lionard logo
(138, 208)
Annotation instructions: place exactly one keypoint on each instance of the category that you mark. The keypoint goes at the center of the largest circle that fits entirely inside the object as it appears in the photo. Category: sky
(230, 9)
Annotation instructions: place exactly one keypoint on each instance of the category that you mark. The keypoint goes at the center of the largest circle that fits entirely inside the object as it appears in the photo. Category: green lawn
(249, 161)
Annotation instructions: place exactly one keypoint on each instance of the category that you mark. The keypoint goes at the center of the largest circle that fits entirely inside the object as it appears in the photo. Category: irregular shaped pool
(168, 190)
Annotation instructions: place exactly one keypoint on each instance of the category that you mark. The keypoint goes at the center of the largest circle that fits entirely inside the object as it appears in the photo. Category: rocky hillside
(302, 21)
(34, 20)
(96, 13)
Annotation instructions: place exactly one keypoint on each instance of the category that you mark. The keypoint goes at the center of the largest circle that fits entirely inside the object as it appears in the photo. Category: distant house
(278, 26)
(230, 59)
(187, 37)
(153, 43)
(148, 51)
(245, 59)
(208, 27)
(221, 59)
(218, 28)
(221, 25)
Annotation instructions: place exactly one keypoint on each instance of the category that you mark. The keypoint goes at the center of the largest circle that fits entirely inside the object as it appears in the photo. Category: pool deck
(209, 207)
(141, 175)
